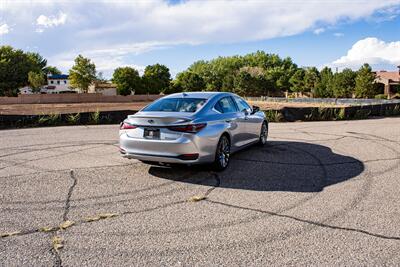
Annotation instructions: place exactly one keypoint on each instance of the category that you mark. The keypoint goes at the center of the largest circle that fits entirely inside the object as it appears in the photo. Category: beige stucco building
(389, 79)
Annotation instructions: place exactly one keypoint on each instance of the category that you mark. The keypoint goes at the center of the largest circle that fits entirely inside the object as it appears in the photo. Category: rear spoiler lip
(184, 121)
(166, 117)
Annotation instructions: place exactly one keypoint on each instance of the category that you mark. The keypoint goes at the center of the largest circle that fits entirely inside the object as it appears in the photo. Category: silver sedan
(191, 128)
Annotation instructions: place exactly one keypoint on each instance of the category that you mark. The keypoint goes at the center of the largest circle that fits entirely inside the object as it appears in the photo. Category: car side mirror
(255, 109)
(245, 112)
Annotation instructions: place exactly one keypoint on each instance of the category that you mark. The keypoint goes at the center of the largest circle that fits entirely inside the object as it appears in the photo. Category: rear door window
(225, 105)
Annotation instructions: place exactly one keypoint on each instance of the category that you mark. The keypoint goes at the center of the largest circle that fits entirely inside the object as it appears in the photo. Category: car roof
(206, 95)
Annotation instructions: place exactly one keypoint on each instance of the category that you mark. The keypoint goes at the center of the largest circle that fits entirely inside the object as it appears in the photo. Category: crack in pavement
(71, 189)
(24, 162)
(55, 250)
(25, 150)
(78, 168)
(316, 164)
(98, 217)
(90, 219)
(305, 221)
(53, 229)
(57, 257)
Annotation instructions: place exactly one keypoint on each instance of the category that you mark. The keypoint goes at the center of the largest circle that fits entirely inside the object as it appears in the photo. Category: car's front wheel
(263, 134)
(222, 154)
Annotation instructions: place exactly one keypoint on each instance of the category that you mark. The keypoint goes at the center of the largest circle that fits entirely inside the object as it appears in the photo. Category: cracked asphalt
(320, 193)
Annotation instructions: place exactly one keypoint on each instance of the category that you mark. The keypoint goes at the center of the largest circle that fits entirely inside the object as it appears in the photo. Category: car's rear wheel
(263, 134)
(222, 154)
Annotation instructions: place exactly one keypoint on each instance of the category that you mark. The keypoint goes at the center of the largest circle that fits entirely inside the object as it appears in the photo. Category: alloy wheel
(224, 152)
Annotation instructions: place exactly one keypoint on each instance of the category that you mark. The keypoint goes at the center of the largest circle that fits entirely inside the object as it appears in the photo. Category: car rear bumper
(188, 149)
(160, 158)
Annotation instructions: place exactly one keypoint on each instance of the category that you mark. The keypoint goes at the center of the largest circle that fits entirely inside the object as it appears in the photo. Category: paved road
(320, 193)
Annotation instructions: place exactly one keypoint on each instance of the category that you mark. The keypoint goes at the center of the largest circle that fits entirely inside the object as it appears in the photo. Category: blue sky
(336, 33)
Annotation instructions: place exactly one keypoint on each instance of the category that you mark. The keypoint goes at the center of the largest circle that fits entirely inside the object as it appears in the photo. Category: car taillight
(127, 126)
(190, 128)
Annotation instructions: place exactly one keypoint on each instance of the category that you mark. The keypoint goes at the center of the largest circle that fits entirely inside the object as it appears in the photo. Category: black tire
(263, 134)
(222, 154)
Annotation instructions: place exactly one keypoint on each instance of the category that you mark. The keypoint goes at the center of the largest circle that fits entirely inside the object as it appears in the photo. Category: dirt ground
(38, 109)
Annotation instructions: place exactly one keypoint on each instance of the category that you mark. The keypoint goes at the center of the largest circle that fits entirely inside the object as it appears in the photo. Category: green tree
(311, 79)
(287, 69)
(127, 80)
(221, 73)
(190, 81)
(36, 81)
(38, 63)
(251, 81)
(324, 88)
(51, 70)
(15, 65)
(156, 78)
(82, 74)
(244, 83)
(364, 82)
(297, 81)
(174, 87)
(343, 83)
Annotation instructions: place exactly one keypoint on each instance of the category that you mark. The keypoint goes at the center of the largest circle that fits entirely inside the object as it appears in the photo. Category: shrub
(381, 96)
(43, 119)
(361, 114)
(396, 110)
(73, 119)
(273, 115)
(52, 119)
(95, 117)
(340, 114)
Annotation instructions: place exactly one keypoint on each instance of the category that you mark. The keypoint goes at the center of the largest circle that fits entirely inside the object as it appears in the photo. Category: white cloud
(4, 29)
(319, 31)
(229, 21)
(370, 50)
(338, 34)
(50, 21)
(108, 58)
(194, 21)
(117, 29)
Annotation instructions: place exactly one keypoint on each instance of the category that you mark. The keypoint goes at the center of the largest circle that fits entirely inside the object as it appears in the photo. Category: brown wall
(74, 98)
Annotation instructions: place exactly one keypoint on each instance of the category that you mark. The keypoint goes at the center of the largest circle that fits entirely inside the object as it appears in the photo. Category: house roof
(57, 76)
(389, 75)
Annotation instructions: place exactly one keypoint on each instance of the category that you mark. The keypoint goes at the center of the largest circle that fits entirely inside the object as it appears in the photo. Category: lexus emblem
(150, 121)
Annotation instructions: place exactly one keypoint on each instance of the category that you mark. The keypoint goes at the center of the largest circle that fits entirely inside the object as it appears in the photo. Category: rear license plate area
(151, 133)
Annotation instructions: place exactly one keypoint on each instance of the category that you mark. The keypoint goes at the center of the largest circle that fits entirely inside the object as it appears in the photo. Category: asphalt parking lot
(320, 193)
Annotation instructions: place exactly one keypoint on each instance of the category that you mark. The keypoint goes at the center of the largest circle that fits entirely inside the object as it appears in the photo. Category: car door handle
(228, 121)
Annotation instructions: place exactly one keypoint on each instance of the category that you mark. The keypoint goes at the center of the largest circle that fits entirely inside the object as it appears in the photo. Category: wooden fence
(75, 98)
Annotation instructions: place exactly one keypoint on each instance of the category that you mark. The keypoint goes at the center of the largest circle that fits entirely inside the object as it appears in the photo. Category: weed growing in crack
(196, 198)
(58, 243)
(66, 224)
(10, 234)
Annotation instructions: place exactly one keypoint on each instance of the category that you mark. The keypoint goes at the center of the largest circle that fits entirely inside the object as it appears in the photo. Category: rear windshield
(176, 105)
